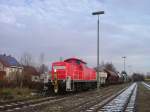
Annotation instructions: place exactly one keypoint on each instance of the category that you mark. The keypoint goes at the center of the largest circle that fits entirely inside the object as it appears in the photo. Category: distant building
(44, 78)
(9, 67)
(125, 76)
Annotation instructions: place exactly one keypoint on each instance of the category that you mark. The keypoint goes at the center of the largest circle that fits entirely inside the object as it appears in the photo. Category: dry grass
(14, 93)
(148, 81)
(143, 99)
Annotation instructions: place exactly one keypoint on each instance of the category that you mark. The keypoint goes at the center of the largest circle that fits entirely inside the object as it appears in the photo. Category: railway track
(17, 105)
(23, 104)
(123, 101)
(146, 85)
(36, 104)
(87, 103)
(19, 100)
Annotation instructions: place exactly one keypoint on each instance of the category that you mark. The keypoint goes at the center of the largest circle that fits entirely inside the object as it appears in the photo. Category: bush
(137, 77)
(15, 93)
(21, 91)
(6, 94)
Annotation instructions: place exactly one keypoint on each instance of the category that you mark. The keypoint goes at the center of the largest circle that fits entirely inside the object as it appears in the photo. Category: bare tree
(138, 77)
(26, 59)
(41, 59)
(110, 66)
(42, 67)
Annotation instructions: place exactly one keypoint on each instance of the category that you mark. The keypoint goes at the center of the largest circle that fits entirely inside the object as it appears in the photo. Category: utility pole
(124, 63)
(98, 13)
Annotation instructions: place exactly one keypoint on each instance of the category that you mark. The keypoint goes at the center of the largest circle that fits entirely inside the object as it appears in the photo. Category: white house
(10, 66)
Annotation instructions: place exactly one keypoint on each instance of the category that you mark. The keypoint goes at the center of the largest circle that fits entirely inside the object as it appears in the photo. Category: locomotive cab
(58, 75)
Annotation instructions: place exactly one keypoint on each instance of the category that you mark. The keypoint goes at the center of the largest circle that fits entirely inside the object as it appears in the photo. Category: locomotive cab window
(78, 62)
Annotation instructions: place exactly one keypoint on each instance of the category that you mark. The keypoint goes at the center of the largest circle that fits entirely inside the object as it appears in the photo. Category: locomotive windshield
(59, 67)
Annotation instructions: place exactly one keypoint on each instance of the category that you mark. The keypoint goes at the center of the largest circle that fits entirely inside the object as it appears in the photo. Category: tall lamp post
(98, 13)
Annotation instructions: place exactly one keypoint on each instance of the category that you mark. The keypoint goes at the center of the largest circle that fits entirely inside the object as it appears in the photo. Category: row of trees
(138, 77)
(27, 60)
(108, 66)
(148, 76)
(133, 77)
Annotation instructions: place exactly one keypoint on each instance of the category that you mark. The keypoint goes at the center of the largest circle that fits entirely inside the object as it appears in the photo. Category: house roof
(9, 61)
(30, 70)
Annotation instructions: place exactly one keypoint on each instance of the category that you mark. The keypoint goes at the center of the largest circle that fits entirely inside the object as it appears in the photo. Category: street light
(98, 13)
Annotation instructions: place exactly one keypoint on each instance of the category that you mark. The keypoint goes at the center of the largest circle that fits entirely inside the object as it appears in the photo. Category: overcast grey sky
(66, 28)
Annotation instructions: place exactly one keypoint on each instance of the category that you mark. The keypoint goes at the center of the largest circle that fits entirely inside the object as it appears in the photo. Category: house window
(35, 78)
(11, 69)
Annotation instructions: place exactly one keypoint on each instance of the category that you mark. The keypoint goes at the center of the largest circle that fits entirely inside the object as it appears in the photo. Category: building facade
(9, 67)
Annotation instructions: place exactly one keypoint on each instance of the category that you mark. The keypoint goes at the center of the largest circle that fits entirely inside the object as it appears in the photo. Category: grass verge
(7, 94)
(143, 99)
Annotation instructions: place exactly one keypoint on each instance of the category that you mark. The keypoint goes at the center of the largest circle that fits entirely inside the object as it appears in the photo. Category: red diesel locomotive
(72, 75)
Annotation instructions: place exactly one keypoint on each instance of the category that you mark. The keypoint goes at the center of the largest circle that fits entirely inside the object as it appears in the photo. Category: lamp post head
(124, 57)
(98, 13)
